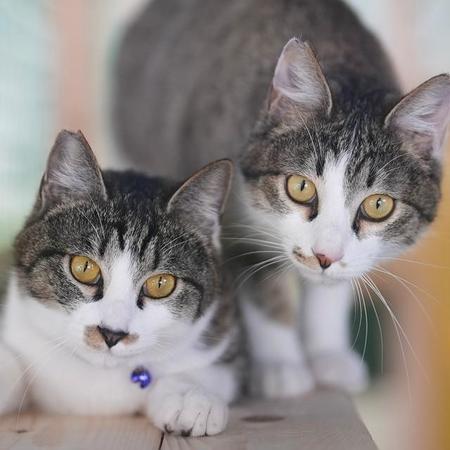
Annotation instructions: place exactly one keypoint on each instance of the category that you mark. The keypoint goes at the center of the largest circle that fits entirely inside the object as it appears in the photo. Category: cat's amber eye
(84, 269)
(378, 207)
(159, 286)
(300, 189)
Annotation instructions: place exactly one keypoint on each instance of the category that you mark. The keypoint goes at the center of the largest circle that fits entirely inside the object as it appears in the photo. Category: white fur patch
(278, 363)
(57, 369)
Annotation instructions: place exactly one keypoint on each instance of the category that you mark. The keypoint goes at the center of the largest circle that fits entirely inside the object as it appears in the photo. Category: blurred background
(56, 72)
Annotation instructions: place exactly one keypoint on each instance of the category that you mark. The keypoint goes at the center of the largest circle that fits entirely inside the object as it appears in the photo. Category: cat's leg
(326, 330)
(12, 382)
(194, 403)
(271, 318)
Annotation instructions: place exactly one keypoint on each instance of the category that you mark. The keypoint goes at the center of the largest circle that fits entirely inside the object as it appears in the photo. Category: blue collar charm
(142, 376)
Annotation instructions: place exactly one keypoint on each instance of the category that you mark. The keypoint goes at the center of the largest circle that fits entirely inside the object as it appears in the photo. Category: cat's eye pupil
(378, 207)
(300, 189)
(159, 286)
(84, 269)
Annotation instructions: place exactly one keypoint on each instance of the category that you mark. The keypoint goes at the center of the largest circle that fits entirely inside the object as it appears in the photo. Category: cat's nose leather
(111, 337)
(324, 260)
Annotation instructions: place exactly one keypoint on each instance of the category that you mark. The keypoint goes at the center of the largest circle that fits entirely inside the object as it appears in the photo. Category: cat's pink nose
(325, 261)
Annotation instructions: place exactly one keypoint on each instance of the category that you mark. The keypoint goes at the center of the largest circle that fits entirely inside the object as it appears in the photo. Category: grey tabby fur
(82, 210)
(193, 77)
(195, 82)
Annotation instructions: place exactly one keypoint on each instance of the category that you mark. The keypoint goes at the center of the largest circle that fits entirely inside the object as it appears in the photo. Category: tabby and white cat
(116, 271)
(338, 169)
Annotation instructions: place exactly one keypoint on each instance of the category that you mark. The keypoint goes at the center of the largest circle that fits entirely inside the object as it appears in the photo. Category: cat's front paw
(344, 370)
(193, 413)
(280, 380)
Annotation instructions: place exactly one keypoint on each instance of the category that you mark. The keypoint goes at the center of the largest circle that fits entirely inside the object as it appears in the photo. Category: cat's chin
(325, 277)
(105, 359)
(320, 277)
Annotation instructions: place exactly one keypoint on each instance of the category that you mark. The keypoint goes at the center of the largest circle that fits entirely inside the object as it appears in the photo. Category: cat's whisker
(373, 287)
(94, 205)
(257, 268)
(256, 252)
(316, 132)
(302, 119)
(411, 261)
(39, 366)
(174, 246)
(255, 228)
(30, 366)
(91, 223)
(401, 329)
(418, 301)
(380, 329)
(251, 240)
(380, 170)
(278, 272)
(168, 245)
(256, 265)
(257, 234)
(175, 243)
(366, 328)
(358, 298)
(353, 297)
(437, 300)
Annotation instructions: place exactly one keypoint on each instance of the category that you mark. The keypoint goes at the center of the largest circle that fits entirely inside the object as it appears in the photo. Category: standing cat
(337, 169)
(116, 271)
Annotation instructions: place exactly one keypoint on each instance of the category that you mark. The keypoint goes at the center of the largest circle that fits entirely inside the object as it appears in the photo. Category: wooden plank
(39, 432)
(323, 420)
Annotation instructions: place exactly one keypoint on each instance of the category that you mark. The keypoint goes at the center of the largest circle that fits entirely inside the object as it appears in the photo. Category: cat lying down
(116, 281)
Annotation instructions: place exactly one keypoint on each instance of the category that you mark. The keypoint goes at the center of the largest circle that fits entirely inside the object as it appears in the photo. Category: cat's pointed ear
(421, 118)
(72, 171)
(299, 88)
(201, 198)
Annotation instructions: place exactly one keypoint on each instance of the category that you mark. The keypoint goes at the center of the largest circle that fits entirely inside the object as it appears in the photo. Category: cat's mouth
(102, 356)
(309, 266)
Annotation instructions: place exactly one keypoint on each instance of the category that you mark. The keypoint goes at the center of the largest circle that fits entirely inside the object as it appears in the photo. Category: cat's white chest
(71, 387)
(58, 381)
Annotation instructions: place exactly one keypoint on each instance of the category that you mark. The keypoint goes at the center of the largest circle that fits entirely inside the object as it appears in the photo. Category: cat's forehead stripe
(121, 229)
(151, 233)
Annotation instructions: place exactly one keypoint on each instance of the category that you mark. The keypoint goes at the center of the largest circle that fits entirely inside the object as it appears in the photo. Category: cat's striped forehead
(139, 227)
(354, 156)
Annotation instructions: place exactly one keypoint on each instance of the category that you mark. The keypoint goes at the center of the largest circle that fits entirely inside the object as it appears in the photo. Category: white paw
(280, 380)
(194, 413)
(345, 370)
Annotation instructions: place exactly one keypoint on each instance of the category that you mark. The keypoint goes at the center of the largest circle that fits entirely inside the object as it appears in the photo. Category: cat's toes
(280, 380)
(344, 370)
(195, 413)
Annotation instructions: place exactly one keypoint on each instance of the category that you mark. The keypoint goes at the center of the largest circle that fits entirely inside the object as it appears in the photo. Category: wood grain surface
(323, 420)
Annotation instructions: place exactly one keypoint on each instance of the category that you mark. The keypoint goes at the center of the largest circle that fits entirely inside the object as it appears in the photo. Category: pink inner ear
(298, 82)
(425, 112)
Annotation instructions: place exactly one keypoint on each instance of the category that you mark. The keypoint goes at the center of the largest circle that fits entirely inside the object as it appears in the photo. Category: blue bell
(142, 376)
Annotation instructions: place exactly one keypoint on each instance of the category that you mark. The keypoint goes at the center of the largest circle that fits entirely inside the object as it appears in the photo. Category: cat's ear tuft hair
(421, 118)
(72, 171)
(299, 88)
(201, 198)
